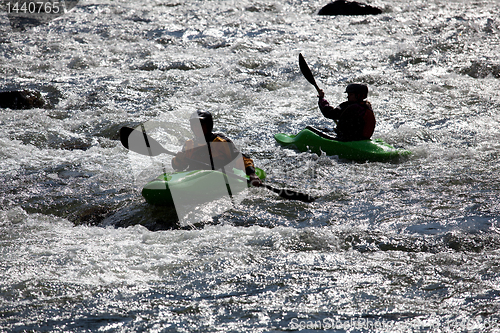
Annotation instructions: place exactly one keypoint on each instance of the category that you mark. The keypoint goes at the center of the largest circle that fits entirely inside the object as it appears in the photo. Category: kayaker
(355, 119)
(220, 152)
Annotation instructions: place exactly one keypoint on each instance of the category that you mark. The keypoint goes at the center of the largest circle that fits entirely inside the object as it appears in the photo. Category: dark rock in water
(21, 99)
(92, 215)
(151, 217)
(342, 7)
(481, 69)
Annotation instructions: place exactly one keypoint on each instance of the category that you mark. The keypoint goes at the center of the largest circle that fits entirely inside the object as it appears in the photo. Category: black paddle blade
(124, 134)
(141, 143)
(291, 195)
(306, 71)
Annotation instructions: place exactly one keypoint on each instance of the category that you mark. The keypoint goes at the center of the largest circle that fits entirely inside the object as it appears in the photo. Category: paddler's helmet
(357, 88)
(204, 117)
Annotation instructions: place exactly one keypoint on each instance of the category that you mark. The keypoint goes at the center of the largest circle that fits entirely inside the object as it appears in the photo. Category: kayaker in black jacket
(220, 152)
(355, 119)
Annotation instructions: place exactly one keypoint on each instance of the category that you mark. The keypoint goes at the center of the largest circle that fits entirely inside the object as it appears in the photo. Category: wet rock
(481, 70)
(342, 7)
(258, 7)
(91, 215)
(21, 99)
(151, 217)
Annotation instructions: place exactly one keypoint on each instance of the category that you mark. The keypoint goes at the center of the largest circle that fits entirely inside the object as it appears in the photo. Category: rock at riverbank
(21, 99)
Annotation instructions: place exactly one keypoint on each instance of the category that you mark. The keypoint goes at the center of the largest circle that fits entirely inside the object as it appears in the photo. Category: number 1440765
(33, 7)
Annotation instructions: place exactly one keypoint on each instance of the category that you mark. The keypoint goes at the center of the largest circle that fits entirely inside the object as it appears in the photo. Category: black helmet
(357, 88)
(204, 117)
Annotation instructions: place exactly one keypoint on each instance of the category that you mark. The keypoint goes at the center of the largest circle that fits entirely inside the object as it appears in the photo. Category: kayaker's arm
(325, 108)
(225, 151)
(250, 171)
(248, 163)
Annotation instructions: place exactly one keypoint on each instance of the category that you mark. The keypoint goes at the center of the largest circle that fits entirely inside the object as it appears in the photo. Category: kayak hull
(311, 139)
(195, 187)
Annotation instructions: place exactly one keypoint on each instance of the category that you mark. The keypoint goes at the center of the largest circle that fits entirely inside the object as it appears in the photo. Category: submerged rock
(21, 99)
(342, 7)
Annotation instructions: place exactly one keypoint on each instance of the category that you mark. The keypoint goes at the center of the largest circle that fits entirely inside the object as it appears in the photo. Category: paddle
(132, 139)
(306, 71)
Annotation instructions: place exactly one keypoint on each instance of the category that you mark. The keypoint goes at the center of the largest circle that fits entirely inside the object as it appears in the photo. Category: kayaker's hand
(321, 94)
(254, 180)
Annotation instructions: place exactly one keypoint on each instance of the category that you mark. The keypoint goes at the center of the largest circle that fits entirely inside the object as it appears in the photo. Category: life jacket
(356, 122)
(220, 152)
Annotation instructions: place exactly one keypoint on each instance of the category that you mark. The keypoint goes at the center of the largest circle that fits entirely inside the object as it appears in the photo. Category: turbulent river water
(405, 246)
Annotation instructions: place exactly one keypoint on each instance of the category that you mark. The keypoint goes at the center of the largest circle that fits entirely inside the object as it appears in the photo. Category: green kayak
(195, 187)
(317, 141)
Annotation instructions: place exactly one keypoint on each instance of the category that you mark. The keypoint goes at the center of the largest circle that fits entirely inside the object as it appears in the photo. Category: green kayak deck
(195, 187)
(317, 141)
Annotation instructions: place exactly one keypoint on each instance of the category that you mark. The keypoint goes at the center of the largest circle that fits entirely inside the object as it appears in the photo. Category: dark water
(407, 246)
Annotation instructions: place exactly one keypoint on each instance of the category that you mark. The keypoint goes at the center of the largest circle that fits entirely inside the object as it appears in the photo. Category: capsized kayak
(195, 187)
(317, 141)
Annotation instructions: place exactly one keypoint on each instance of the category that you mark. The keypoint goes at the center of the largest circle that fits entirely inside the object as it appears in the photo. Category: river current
(406, 246)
